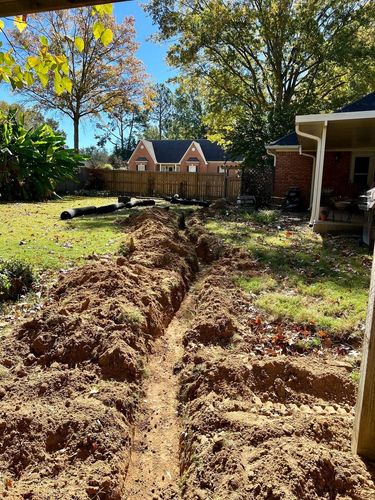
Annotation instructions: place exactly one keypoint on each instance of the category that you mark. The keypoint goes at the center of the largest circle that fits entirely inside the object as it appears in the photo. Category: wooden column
(363, 440)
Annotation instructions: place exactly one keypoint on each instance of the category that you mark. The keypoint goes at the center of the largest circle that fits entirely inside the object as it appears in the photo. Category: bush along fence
(187, 185)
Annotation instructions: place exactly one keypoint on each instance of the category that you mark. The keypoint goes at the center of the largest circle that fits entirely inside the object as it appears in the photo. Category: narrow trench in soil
(154, 466)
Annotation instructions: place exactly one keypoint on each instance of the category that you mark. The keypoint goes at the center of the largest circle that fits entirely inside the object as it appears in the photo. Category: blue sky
(152, 54)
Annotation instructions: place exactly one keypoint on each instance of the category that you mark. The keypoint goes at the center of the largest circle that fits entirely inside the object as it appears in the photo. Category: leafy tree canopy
(256, 63)
(100, 62)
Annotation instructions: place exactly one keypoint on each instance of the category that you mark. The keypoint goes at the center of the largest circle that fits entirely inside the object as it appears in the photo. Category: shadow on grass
(300, 276)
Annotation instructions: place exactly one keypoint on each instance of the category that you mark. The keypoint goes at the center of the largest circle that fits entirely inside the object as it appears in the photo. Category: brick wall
(336, 174)
(293, 170)
(142, 153)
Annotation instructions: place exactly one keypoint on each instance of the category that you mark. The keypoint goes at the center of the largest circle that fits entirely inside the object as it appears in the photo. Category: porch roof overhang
(343, 130)
(334, 131)
(17, 7)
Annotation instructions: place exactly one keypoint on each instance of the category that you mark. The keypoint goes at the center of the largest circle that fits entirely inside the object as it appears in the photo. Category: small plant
(355, 376)
(16, 278)
(132, 314)
(127, 247)
(309, 344)
(262, 216)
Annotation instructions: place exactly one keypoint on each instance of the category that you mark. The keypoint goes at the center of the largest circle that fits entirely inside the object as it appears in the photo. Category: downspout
(274, 167)
(272, 154)
(316, 177)
(312, 173)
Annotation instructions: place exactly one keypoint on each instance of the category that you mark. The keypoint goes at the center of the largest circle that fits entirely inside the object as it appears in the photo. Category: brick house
(330, 158)
(200, 156)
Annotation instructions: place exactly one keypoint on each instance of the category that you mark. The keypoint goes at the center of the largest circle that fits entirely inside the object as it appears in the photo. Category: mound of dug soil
(71, 376)
(260, 426)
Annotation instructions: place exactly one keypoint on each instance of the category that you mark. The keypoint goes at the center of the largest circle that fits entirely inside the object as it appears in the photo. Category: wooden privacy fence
(189, 185)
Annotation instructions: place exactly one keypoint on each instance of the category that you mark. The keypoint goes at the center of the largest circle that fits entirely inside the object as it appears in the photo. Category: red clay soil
(110, 393)
(71, 376)
(259, 426)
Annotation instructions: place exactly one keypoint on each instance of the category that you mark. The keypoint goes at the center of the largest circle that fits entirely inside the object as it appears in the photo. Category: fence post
(363, 439)
(226, 184)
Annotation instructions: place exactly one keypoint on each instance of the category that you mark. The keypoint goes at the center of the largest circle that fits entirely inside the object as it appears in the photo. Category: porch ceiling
(16, 7)
(357, 133)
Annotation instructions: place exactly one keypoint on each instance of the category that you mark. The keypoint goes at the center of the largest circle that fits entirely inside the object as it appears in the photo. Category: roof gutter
(272, 154)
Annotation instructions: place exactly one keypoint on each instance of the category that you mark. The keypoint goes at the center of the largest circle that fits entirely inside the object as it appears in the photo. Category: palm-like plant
(34, 161)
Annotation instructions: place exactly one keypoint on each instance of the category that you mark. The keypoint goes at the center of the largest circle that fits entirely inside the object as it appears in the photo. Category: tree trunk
(76, 133)
(160, 124)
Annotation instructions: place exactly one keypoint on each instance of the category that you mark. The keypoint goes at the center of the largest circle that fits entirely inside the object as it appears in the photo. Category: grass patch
(257, 284)
(303, 277)
(34, 234)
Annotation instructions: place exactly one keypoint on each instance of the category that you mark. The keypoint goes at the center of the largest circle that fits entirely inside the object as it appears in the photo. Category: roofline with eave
(283, 147)
(330, 117)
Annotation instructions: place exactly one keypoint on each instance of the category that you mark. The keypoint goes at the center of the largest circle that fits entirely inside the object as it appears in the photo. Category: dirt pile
(71, 376)
(258, 425)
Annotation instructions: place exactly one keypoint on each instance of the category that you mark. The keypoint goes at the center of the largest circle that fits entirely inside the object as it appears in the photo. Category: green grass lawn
(34, 233)
(300, 275)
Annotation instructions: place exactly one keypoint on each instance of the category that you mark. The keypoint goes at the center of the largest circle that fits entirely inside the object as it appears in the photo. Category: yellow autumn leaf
(33, 61)
(79, 43)
(106, 37)
(1, 24)
(20, 23)
(103, 9)
(98, 29)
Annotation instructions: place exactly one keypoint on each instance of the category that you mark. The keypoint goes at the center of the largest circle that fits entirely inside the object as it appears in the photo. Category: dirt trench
(71, 377)
(154, 470)
(142, 378)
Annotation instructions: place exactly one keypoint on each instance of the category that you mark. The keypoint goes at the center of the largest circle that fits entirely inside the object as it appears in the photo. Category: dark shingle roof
(288, 140)
(366, 103)
(171, 151)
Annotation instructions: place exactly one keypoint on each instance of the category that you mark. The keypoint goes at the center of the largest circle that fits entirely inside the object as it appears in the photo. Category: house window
(221, 170)
(362, 171)
(192, 169)
(141, 167)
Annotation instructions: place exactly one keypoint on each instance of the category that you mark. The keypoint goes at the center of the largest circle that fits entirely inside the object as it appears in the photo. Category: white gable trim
(198, 148)
(149, 147)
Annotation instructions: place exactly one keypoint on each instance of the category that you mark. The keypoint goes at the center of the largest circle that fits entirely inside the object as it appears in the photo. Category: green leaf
(79, 43)
(67, 84)
(43, 79)
(28, 77)
(106, 37)
(44, 40)
(98, 29)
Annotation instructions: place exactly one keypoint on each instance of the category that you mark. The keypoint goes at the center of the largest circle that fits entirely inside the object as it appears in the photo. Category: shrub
(16, 278)
(32, 161)
(107, 166)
